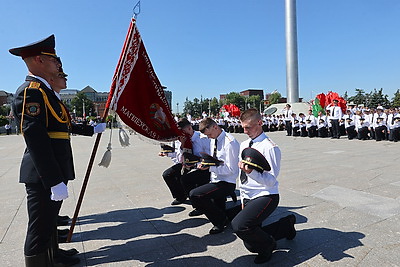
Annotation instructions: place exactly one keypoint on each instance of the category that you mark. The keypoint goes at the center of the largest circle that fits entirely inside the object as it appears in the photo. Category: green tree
(254, 101)
(5, 109)
(205, 105)
(236, 99)
(396, 99)
(377, 98)
(274, 98)
(345, 96)
(187, 107)
(214, 106)
(77, 105)
(196, 108)
(359, 98)
(3, 120)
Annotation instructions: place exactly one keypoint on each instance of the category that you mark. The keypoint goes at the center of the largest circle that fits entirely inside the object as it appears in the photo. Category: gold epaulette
(34, 85)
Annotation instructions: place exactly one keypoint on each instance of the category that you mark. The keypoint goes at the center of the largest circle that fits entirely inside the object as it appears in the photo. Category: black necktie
(215, 149)
(243, 175)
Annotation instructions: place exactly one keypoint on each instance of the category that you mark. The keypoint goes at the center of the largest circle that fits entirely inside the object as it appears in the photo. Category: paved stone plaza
(345, 195)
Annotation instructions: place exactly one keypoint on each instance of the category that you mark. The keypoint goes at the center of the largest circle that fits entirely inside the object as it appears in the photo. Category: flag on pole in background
(136, 94)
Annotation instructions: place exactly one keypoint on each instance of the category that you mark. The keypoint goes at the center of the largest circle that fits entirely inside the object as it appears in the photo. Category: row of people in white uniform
(363, 124)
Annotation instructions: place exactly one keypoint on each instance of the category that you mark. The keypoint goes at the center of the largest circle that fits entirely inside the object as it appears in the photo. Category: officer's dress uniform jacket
(46, 126)
(47, 160)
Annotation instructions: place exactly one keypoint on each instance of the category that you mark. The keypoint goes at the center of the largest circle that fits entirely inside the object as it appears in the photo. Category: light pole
(292, 76)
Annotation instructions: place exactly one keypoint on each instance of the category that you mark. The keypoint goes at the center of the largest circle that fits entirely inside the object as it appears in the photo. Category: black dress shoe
(177, 201)
(262, 258)
(62, 231)
(195, 212)
(62, 238)
(266, 255)
(62, 220)
(68, 252)
(291, 234)
(61, 260)
(219, 228)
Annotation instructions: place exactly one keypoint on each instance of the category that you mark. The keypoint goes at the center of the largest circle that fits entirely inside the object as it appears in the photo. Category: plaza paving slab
(345, 195)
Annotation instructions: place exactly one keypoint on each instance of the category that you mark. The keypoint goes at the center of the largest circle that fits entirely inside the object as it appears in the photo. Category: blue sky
(210, 47)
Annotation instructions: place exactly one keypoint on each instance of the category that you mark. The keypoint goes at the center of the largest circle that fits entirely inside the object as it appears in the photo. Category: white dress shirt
(228, 152)
(262, 184)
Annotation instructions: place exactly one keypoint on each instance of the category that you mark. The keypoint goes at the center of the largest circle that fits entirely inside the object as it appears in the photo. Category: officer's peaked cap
(42, 47)
(255, 160)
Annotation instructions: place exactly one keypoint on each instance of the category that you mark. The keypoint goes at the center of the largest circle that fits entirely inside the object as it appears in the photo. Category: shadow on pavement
(174, 248)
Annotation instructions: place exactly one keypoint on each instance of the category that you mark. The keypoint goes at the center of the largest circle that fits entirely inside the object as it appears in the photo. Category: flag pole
(96, 143)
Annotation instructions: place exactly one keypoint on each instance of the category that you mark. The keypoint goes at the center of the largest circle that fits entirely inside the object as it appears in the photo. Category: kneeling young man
(210, 198)
(259, 193)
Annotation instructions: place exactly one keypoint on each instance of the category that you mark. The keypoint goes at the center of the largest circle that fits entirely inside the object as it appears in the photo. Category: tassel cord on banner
(106, 159)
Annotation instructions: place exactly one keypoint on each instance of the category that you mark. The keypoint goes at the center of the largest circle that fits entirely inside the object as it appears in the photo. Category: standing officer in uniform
(259, 193)
(47, 163)
(287, 113)
(336, 115)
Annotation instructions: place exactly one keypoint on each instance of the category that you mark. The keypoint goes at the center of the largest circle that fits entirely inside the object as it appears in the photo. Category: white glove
(59, 192)
(99, 128)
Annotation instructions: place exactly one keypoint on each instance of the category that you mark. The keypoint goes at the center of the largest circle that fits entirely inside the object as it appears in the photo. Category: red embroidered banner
(136, 94)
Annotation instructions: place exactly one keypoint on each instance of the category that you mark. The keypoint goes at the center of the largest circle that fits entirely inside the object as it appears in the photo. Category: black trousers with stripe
(42, 214)
(172, 177)
(247, 223)
(210, 199)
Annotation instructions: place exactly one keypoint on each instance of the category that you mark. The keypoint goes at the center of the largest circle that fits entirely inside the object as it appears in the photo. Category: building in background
(250, 92)
(99, 99)
(5, 98)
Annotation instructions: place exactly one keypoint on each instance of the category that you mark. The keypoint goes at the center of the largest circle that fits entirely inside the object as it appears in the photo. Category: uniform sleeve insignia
(35, 85)
(32, 109)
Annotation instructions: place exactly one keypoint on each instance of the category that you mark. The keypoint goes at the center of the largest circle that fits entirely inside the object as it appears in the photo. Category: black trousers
(372, 132)
(288, 127)
(335, 128)
(247, 224)
(193, 179)
(42, 218)
(296, 131)
(172, 177)
(303, 131)
(363, 133)
(210, 199)
(381, 133)
(394, 134)
(312, 131)
(322, 132)
(351, 132)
